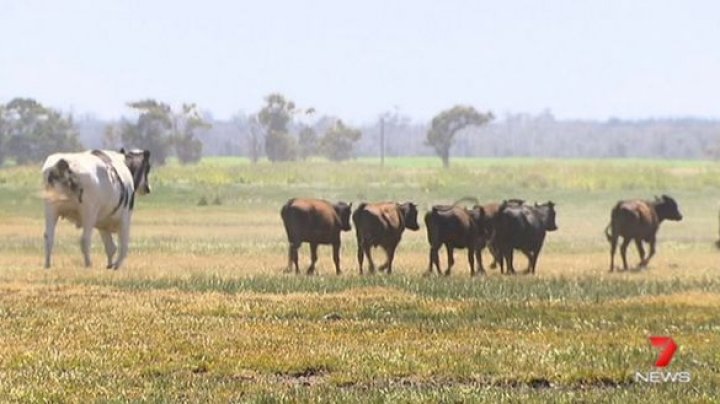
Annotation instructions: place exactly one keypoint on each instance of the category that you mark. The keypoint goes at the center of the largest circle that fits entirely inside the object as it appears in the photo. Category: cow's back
(519, 227)
(634, 218)
(310, 220)
(378, 222)
(450, 225)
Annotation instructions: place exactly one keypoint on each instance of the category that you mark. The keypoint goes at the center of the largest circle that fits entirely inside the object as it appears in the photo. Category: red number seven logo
(668, 348)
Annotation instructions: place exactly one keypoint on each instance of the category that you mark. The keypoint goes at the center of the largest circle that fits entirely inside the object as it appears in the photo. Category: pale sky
(356, 59)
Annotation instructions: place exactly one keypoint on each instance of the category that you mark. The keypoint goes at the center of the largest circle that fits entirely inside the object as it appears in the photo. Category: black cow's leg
(509, 260)
(430, 262)
(471, 261)
(390, 257)
(451, 259)
(652, 250)
(494, 253)
(641, 252)
(478, 257)
(623, 251)
(360, 256)
(293, 257)
(313, 258)
(336, 256)
(434, 259)
(613, 247)
(368, 253)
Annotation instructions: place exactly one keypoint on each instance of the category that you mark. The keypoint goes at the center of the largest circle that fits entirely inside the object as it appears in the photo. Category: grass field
(203, 312)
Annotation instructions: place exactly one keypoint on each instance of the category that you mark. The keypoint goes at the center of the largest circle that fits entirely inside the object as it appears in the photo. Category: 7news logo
(667, 350)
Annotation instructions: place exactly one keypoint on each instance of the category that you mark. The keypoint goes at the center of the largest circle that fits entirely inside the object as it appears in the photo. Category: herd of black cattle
(501, 227)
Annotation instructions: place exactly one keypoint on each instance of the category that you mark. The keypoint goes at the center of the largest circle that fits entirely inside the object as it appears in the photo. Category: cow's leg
(509, 261)
(313, 258)
(478, 257)
(652, 250)
(360, 256)
(88, 218)
(51, 218)
(534, 259)
(494, 253)
(110, 247)
(434, 259)
(471, 260)
(613, 247)
(390, 257)
(124, 240)
(368, 253)
(336, 256)
(623, 251)
(641, 252)
(451, 259)
(293, 258)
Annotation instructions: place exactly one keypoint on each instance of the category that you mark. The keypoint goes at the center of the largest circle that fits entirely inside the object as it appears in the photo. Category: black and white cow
(94, 189)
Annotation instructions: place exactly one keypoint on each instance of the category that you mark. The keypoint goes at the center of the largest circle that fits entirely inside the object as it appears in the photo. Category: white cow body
(93, 189)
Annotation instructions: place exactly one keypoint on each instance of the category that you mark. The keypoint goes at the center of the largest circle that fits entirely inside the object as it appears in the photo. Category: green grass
(202, 311)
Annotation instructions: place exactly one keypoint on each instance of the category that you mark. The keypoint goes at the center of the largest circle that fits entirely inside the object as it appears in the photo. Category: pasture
(202, 310)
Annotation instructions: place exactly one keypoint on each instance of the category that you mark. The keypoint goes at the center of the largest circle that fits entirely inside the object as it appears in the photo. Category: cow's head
(138, 161)
(343, 211)
(667, 208)
(409, 212)
(547, 215)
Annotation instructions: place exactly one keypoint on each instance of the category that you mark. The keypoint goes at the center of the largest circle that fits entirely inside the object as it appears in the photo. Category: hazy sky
(356, 59)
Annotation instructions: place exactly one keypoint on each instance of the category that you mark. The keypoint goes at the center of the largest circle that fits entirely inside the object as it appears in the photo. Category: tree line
(280, 130)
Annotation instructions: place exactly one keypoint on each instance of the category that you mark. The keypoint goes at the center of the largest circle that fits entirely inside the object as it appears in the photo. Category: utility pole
(382, 141)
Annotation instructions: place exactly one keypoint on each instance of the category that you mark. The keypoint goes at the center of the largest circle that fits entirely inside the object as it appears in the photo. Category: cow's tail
(608, 233)
(464, 199)
(61, 183)
(285, 215)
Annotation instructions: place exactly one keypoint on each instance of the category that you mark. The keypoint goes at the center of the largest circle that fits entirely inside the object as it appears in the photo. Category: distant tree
(161, 131)
(337, 144)
(185, 125)
(255, 132)
(112, 137)
(448, 123)
(152, 131)
(31, 131)
(275, 117)
(308, 141)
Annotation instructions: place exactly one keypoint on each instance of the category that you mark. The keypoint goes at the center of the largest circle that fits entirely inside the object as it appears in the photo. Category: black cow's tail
(608, 234)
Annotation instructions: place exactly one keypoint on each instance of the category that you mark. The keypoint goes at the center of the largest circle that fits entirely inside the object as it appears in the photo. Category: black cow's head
(547, 215)
(667, 208)
(138, 161)
(409, 211)
(343, 211)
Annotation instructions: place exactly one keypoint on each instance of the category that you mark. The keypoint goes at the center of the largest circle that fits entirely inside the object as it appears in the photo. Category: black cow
(491, 213)
(522, 227)
(638, 220)
(454, 227)
(314, 221)
(382, 224)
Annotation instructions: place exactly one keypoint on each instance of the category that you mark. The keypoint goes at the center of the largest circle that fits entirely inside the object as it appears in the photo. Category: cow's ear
(146, 154)
(122, 150)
